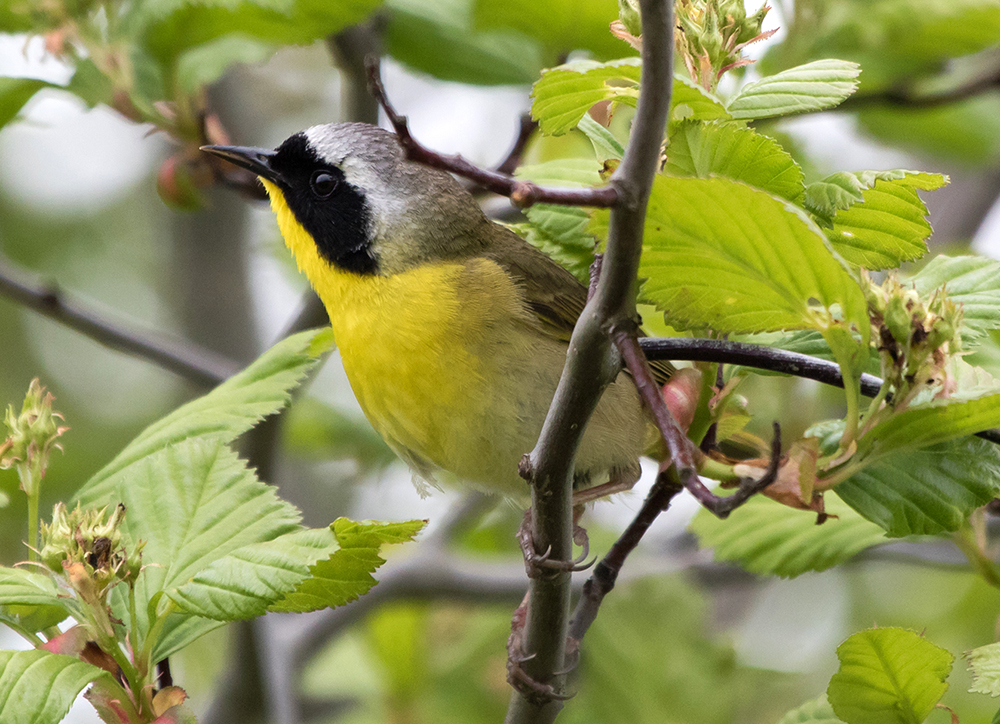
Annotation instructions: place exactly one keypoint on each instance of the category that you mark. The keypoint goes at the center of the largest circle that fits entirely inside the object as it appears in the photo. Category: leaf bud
(31, 436)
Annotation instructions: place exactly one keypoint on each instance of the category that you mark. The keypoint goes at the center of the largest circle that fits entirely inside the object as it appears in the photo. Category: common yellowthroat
(452, 330)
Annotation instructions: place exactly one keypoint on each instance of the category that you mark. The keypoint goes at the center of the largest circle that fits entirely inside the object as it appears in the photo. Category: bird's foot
(530, 688)
(538, 564)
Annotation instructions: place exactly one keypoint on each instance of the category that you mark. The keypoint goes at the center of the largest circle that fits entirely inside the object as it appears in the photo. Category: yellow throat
(409, 344)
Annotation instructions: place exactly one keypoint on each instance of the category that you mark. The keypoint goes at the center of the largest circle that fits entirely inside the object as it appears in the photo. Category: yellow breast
(411, 345)
(453, 371)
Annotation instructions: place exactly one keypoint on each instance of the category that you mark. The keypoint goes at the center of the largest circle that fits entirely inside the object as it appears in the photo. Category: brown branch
(679, 448)
(521, 193)
(194, 363)
(591, 364)
(350, 49)
(681, 451)
(605, 575)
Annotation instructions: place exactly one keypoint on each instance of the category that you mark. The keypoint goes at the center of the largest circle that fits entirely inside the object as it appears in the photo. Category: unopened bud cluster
(916, 337)
(89, 544)
(31, 436)
(711, 36)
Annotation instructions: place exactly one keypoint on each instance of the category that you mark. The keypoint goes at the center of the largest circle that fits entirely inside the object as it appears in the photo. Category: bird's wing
(554, 295)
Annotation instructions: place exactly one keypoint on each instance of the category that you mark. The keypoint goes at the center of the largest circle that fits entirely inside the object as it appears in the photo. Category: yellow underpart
(452, 369)
(409, 343)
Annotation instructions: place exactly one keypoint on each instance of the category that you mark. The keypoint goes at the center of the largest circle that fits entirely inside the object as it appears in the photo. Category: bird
(453, 330)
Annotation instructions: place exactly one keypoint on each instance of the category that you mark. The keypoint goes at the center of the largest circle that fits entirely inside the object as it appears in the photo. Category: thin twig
(765, 358)
(197, 364)
(752, 355)
(606, 571)
(679, 447)
(521, 193)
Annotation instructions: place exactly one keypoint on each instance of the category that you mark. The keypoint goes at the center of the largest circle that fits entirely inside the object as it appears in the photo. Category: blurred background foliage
(120, 92)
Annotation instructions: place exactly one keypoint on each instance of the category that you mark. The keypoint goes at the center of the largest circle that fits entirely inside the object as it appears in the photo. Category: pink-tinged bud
(711, 35)
(681, 395)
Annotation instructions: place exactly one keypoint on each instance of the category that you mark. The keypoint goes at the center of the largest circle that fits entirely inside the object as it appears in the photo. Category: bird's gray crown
(415, 213)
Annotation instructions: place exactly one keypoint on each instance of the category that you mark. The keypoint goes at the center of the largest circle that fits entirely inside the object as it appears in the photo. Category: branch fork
(522, 194)
(541, 624)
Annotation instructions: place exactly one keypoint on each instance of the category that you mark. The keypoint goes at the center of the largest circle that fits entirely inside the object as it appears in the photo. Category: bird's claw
(530, 688)
(536, 564)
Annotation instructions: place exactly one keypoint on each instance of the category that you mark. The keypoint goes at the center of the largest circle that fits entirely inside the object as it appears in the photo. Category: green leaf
(438, 37)
(20, 587)
(564, 94)
(346, 574)
(37, 687)
(563, 231)
(245, 582)
(90, 85)
(721, 254)
(16, 17)
(984, 663)
(877, 219)
(937, 421)
(204, 64)
(193, 503)
(690, 102)
(605, 144)
(30, 600)
(575, 172)
(148, 79)
(226, 412)
(15, 93)
(113, 703)
(888, 676)
(169, 27)
(841, 190)
(559, 25)
(806, 88)
(768, 538)
(817, 711)
(928, 491)
(972, 281)
(734, 151)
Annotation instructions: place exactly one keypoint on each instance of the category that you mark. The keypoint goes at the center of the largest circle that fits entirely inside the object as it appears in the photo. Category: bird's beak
(257, 160)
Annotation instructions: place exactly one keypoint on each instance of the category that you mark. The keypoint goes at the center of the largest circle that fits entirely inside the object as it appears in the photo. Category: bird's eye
(323, 184)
